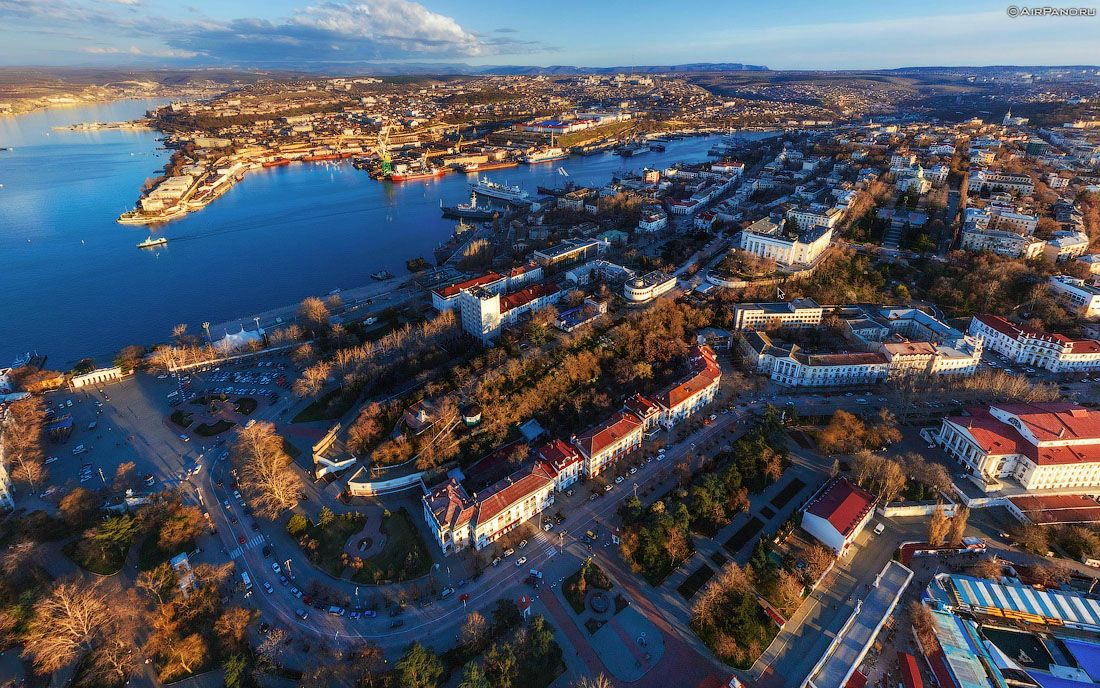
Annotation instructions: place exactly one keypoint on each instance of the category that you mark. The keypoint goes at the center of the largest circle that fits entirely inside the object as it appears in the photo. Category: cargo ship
(321, 157)
(469, 211)
(277, 162)
(151, 242)
(413, 175)
(486, 166)
(545, 155)
(503, 192)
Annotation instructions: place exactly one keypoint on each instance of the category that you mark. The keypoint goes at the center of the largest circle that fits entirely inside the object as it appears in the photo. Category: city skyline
(335, 36)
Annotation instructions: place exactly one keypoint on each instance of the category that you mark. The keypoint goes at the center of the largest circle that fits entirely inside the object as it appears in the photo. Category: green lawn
(403, 557)
(330, 406)
(90, 556)
(596, 579)
(331, 540)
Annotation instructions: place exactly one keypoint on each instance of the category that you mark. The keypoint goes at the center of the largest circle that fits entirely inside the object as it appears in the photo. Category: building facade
(1031, 347)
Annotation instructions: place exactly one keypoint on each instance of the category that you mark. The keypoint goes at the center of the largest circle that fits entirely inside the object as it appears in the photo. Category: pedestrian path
(250, 544)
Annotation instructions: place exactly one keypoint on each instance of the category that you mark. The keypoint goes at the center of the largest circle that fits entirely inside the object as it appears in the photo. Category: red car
(240, 539)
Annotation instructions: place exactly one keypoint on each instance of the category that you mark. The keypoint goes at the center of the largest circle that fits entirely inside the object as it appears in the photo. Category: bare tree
(69, 621)
(958, 525)
(22, 435)
(938, 526)
(159, 582)
(314, 315)
(474, 631)
(266, 475)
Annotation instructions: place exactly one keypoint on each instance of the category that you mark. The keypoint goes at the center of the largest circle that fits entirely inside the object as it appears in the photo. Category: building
(1080, 296)
(772, 316)
(1003, 243)
(1041, 446)
(564, 459)
(7, 490)
(604, 444)
(522, 275)
(808, 219)
(445, 298)
(568, 252)
(763, 239)
(838, 513)
(485, 313)
(1031, 347)
(459, 520)
(694, 391)
(1090, 261)
(980, 180)
(1066, 244)
(789, 365)
(648, 286)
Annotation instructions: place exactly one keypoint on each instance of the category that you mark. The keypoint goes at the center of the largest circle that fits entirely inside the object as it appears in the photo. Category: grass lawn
(245, 405)
(217, 428)
(150, 555)
(329, 407)
(693, 583)
(596, 579)
(181, 418)
(87, 555)
(403, 557)
(331, 540)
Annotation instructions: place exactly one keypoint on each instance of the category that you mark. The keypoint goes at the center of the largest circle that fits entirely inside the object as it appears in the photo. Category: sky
(337, 35)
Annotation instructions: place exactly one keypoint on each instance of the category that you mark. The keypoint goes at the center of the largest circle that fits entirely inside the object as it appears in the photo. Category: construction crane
(383, 150)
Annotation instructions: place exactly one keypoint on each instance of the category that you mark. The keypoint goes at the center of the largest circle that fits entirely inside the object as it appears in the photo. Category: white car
(618, 479)
(549, 526)
(521, 561)
(267, 588)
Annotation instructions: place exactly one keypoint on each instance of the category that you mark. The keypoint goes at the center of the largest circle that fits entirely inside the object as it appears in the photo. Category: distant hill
(635, 69)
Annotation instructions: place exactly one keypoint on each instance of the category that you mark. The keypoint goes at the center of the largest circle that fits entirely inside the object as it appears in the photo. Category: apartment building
(1031, 347)
(783, 314)
(446, 298)
(604, 444)
(648, 286)
(698, 388)
(1080, 296)
(1003, 243)
(486, 313)
(980, 180)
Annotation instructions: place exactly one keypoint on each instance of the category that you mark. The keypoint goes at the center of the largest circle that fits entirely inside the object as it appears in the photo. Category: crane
(383, 150)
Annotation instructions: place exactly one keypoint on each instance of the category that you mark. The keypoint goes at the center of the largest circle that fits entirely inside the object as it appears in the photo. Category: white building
(782, 314)
(984, 179)
(1083, 298)
(1041, 446)
(445, 298)
(838, 513)
(1030, 347)
(790, 366)
(763, 239)
(648, 286)
(1066, 244)
(606, 443)
(697, 389)
(1003, 243)
(808, 219)
(486, 313)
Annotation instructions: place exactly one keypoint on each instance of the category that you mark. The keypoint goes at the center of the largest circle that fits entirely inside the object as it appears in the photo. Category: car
(241, 539)
(296, 592)
(633, 470)
(608, 487)
(509, 552)
(283, 581)
(618, 479)
(184, 437)
(226, 504)
(879, 528)
(79, 449)
(522, 544)
(549, 525)
(661, 457)
(521, 561)
(267, 588)
(355, 615)
(496, 561)
(570, 492)
(52, 459)
(275, 567)
(446, 592)
(649, 459)
(301, 614)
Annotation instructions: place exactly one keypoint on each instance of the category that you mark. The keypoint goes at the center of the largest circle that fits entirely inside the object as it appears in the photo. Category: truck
(246, 581)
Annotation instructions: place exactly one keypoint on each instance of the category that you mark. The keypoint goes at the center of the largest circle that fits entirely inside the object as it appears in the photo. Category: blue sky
(785, 34)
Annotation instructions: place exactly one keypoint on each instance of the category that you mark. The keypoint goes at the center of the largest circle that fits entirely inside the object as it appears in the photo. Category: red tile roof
(596, 439)
(527, 295)
(450, 505)
(704, 373)
(453, 289)
(843, 505)
(558, 454)
(499, 497)
(1076, 346)
(1048, 422)
(641, 407)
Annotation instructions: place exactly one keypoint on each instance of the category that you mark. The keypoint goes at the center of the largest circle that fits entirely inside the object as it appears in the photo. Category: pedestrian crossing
(250, 544)
(551, 551)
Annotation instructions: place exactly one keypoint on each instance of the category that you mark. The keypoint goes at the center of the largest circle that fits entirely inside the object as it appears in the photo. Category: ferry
(545, 155)
(151, 242)
(504, 192)
(382, 275)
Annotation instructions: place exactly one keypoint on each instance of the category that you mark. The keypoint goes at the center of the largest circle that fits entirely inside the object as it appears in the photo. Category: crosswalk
(254, 542)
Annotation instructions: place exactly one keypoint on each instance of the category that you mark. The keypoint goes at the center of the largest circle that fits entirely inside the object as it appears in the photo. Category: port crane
(383, 150)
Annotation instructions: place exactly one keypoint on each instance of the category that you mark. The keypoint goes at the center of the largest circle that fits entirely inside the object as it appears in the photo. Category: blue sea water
(73, 284)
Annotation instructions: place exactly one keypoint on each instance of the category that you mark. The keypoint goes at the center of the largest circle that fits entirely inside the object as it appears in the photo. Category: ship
(277, 162)
(469, 211)
(659, 147)
(490, 189)
(417, 264)
(321, 157)
(151, 242)
(631, 148)
(382, 275)
(413, 175)
(545, 155)
(486, 166)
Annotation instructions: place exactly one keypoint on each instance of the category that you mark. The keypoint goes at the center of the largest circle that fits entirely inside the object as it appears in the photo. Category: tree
(419, 667)
(988, 567)
(236, 671)
(232, 628)
(958, 525)
(501, 665)
(182, 527)
(70, 620)
(938, 526)
(314, 315)
(184, 656)
(1050, 574)
(78, 507)
(818, 558)
(474, 631)
(1033, 538)
(23, 441)
(923, 628)
(326, 517)
(788, 592)
(600, 681)
(125, 477)
(130, 358)
(473, 676)
(366, 429)
(891, 481)
(117, 532)
(158, 582)
(266, 476)
(297, 525)
(843, 435)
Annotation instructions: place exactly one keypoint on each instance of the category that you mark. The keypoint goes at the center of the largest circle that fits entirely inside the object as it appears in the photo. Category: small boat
(469, 211)
(382, 275)
(151, 242)
(417, 264)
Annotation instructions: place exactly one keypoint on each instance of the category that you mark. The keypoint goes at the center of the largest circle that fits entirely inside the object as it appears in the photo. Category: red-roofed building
(647, 411)
(609, 441)
(909, 670)
(693, 391)
(564, 459)
(1041, 446)
(837, 514)
(485, 312)
(1032, 347)
(446, 298)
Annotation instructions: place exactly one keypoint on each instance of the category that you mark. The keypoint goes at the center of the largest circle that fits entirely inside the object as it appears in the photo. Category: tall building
(7, 492)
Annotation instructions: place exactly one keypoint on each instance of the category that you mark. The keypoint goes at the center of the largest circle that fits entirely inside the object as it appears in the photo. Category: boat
(545, 155)
(321, 157)
(417, 264)
(469, 211)
(659, 147)
(504, 192)
(486, 166)
(277, 162)
(151, 242)
(409, 176)
(382, 275)
(631, 148)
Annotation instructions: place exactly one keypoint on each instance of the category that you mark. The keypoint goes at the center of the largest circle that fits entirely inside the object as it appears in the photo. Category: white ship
(545, 155)
(490, 189)
(151, 242)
